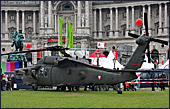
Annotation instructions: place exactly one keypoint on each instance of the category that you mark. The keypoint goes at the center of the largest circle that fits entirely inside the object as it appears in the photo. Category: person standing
(3, 83)
(9, 82)
(157, 84)
(163, 77)
(13, 80)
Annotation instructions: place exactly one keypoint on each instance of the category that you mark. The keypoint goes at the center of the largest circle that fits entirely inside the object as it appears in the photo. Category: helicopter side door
(44, 76)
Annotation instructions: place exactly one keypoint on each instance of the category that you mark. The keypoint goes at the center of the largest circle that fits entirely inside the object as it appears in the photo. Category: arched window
(67, 7)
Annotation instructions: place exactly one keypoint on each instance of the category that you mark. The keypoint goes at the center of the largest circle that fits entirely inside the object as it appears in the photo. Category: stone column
(149, 20)
(34, 57)
(49, 14)
(111, 23)
(23, 24)
(46, 52)
(143, 29)
(55, 25)
(42, 14)
(160, 20)
(34, 23)
(166, 23)
(100, 23)
(127, 22)
(17, 20)
(6, 24)
(75, 20)
(1, 25)
(133, 17)
(94, 20)
(79, 14)
(87, 14)
(117, 31)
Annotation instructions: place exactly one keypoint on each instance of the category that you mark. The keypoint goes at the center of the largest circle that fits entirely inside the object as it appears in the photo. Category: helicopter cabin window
(46, 72)
(41, 72)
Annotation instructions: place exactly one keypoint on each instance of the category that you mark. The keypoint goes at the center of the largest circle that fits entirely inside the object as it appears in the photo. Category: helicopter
(65, 71)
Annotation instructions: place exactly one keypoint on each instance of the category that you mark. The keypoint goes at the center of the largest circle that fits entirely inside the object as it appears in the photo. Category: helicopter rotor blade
(53, 48)
(133, 35)
(159, 41)
(146, 24)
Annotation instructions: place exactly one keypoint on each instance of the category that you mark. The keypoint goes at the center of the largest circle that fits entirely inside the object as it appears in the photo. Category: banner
(16, 65)
(8, 66)
(60, 32)
(71, 36)
(68, 35)
(60, 43)
(12, 66)
(3, 67)
(39, 53)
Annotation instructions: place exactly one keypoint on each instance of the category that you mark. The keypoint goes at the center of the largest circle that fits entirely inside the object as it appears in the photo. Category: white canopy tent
(146, 65)
(93, 57)
(108, 63)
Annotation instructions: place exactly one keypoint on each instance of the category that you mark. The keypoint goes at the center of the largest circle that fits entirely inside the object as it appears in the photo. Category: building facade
(93, 21)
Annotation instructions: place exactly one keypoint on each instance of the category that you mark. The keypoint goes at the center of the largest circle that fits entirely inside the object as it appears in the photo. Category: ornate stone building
(93, 21)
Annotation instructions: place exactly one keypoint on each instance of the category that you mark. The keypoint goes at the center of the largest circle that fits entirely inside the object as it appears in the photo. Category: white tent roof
(165, 66)
(108, 63)
(146, 65)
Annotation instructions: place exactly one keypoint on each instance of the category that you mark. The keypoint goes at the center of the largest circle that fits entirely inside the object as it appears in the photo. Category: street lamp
(98, 56)
(114, 61)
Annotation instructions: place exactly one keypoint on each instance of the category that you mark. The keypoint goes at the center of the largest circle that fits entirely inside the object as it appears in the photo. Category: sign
(114, 51)
(55, 40)
(99, 77)
(101, 45)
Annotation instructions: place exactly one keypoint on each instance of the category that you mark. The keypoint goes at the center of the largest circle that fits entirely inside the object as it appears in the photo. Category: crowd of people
(7, 82)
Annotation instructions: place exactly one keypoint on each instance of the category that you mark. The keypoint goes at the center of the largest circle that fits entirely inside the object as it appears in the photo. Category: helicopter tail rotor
(147, 34)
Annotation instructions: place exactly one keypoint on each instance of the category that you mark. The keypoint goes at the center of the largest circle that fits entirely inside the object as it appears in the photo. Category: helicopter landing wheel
(77, 88)
(69, 88)
(63, 88)
(119, 92)
(34, 87)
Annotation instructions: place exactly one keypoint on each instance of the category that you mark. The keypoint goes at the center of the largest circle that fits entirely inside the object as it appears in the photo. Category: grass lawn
(142, 98)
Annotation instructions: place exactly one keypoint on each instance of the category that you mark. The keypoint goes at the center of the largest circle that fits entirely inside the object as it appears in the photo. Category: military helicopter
(65, 71)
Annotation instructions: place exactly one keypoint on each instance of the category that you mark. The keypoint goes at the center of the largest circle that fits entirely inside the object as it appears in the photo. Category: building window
(67, 7)
(29, 17)
(12, 18)
(29, 34)
(124, 15)
(107, 16)
(107, 28)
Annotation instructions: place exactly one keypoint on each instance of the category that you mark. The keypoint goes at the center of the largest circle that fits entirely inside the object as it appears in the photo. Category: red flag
(114, 51)
(157, 60)
(162, 61)
(39, 53)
